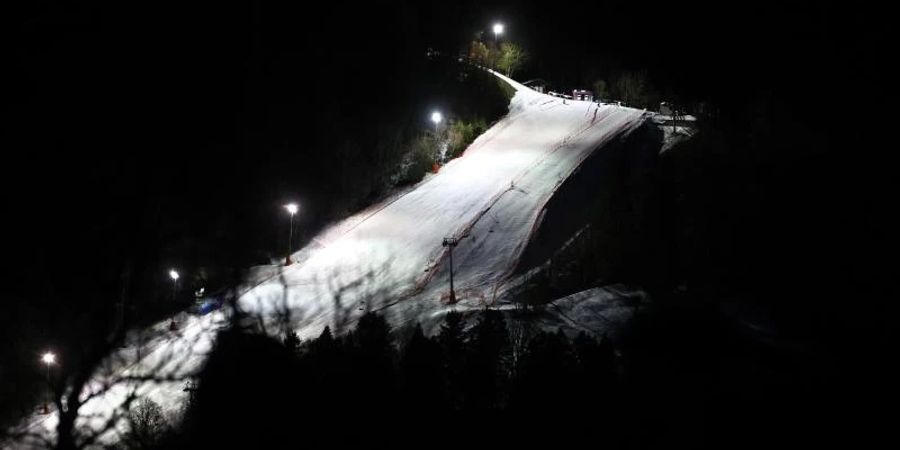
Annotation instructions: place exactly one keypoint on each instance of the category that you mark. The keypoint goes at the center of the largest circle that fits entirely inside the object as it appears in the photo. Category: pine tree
(292, 341)
(451, 341)
(421, 374)
(325, 343)
(373, 337)
(546, 375)
(373, 359)
(486, 360)
(597, 375)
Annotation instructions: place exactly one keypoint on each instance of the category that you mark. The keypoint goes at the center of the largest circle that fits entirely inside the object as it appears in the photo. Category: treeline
(679, 378)
(398, 384)
(506, 57)
(632, 88)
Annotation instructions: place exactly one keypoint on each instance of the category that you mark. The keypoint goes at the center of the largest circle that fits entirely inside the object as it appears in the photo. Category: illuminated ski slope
(389, 257)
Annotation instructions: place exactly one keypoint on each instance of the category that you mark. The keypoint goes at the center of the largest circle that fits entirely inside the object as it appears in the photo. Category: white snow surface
(389, 257)
(602, 311)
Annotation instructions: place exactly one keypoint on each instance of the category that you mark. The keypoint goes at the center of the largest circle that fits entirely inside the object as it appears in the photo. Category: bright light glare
(292, 208)
(48, 358)
(173, 275)
(498, 28)
(436, 117)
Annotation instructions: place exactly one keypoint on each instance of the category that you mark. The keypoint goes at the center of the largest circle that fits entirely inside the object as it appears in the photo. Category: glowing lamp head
(48, 358)
(173, 274)
(292, 208)
(498, 28)
(436, 117)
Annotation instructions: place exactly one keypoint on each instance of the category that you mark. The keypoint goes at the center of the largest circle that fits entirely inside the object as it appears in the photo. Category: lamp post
(498, 30)
(292, 209)
(436, 118)
(173, 274)
(48, 358)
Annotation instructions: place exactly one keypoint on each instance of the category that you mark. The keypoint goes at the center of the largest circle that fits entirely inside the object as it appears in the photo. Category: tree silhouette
(147, 425)
(421, 374)
(511, 58)
(546, 375)
(451, 340)
(372, 361)
(485, 369)
(292, 341)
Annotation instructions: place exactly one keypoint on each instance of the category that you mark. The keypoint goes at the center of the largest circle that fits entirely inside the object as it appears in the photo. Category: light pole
(173, 274)
(292, 209)
(436, 118)
(450, 243)
(48, 358)
(498, 30)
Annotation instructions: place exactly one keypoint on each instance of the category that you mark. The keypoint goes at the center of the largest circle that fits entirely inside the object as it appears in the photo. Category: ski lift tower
(451, 242)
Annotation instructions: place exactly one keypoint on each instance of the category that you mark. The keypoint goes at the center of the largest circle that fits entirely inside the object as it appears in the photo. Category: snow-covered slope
(390, 258)
(490, 198)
